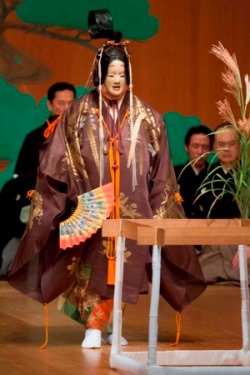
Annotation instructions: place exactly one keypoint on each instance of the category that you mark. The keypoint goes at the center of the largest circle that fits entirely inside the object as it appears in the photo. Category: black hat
(100, 25)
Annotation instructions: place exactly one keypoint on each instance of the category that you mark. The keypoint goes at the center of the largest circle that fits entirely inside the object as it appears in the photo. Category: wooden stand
(178, 232)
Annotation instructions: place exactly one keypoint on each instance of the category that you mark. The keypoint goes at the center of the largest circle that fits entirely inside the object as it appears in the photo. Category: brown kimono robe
(69, 166)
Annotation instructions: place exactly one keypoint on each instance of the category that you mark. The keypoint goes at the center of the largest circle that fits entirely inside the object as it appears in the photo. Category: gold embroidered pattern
(128, 210)
(154, 131)
(85, 301)
(73, 146)
(73, 266)
(143, 119)
(139, 115)
(36, 211)
(92, 141)
(169, 207)
(127, 253)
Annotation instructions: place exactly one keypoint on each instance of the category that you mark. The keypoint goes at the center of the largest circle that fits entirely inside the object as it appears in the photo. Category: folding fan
(92, 208)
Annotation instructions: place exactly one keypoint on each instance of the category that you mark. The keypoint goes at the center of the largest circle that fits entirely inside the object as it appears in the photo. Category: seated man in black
(198, 144)
(220, 263)
(221, 205)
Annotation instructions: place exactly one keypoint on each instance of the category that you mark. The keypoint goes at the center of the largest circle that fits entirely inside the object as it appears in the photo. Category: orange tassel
(51, 126)
(114, 164)
(178, 198)
(46, 319)
(111, 256)
(30, 194)
(111, 271)
(178, 328)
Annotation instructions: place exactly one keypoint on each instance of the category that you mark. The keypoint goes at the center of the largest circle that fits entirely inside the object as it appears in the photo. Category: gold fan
(92, 208)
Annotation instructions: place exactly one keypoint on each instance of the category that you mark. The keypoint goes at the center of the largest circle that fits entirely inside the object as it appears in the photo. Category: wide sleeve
(49, 199)
(40, 268)
(164, 197)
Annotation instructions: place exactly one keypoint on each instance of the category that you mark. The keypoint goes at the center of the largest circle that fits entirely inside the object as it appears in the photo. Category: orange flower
(100, 314)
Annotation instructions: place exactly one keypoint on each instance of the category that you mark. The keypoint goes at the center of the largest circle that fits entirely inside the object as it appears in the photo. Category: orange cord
(46, 319)
(114, 163)
(178, 328)
(178, 198)
(30, 194)
(51, 126)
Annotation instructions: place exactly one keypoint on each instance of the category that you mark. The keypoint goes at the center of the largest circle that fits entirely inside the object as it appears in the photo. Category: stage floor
(213, 321)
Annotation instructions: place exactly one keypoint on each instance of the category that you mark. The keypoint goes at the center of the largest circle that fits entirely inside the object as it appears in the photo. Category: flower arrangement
(240, 171)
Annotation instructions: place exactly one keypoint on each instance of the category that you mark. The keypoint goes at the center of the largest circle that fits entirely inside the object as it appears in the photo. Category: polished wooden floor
(211, 322)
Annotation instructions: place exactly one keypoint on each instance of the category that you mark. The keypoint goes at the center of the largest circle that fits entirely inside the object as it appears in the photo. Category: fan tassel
(111, 271)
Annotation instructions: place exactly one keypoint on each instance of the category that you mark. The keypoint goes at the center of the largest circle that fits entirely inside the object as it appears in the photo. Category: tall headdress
(100, 26)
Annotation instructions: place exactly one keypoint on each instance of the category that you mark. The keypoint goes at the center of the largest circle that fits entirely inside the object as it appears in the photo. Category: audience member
(13, 196)
(198, 144)
(221, 263)
(59, 96)
(221, 204)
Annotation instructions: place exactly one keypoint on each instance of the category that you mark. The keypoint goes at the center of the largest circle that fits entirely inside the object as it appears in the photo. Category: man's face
(115, 81)
(61, 102)
(197, 149)
(227, 146)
